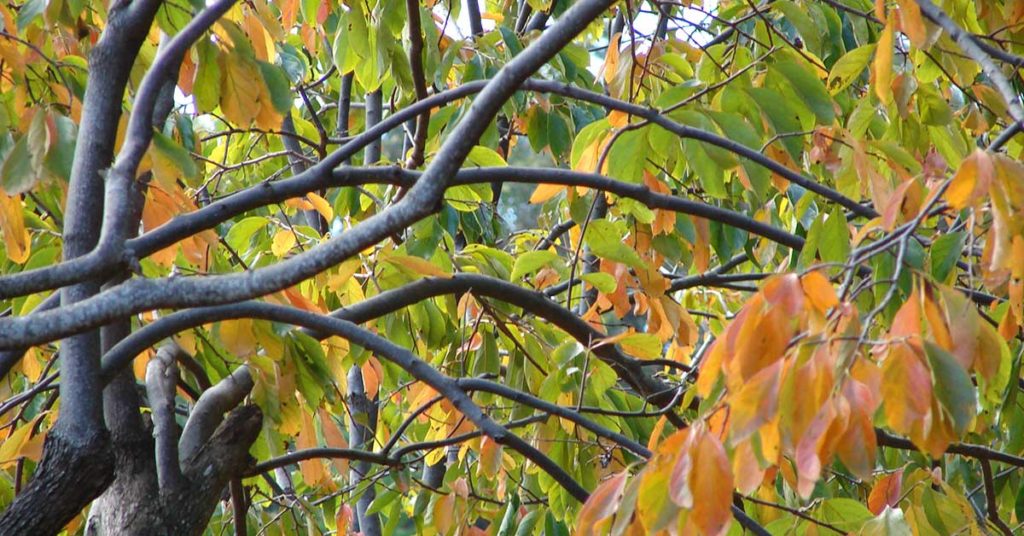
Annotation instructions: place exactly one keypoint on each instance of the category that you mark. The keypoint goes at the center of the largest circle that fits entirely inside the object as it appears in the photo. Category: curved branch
(475, 384)
(321, 452)
(533, 302)
(210, 410)
(384, 348)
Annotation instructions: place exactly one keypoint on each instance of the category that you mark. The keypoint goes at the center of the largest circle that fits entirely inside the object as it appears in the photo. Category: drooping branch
(536, 303)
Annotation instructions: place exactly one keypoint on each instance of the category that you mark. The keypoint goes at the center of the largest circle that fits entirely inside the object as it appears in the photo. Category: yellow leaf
(12, 226)
(490, 457)
(972, 180)
(240, 89)
(882, 66)
(611, 58)
(321, 205)
(13, 446)
(545, 192)
(237, 337)
(444, 514)
(283, 242)
(912, 23)
(417, 266)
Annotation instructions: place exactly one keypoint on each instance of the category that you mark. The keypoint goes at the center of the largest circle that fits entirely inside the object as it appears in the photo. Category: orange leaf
(912, 23)
(882, 66)
(755, 403)
(373, 374)
(886, 492)
(545, 192)
(971, 180)
(712, 484)
(819, 291)
(601, 504)
(417, 266)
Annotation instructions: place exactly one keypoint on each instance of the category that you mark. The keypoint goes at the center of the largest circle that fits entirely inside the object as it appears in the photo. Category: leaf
(605, 241)
(12, 226)
(238, 337)
(848, 68)
(886, 492)
(882, 66)
(481, 156)
(889, 523)
(601, 503)
(207, 84)
(417, 266)
(531, 261)
(321, 205)
(642, 345)
(601, 281)
(912, 23)
(17, 175)
(543, 192)
(819, 291)
(972, 180)
(809, 88)
(171, 160)
(712, 482)
(284, 241)
(953, 387)
(945, 251)
(240, 89)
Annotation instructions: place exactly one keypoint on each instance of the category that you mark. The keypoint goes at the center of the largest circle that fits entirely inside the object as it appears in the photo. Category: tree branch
(161, 379)
(210, 410)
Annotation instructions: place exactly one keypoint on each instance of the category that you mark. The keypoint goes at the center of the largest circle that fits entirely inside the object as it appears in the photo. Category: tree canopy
(511, 267)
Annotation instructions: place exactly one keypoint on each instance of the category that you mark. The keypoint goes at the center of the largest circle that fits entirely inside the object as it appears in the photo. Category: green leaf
(277, 84)
(953, 386)
(29, 12)
(809, 88)
(944, 253)
(850, 67)
(834, 242)
(798, 17)
(782, 117)
(601, 281)
(16, 174)
(846, 514)
(590, 133)
(606, 241)
(531, 261)
(206, 86)
(627, 157)
(176, 154)
(481, 156)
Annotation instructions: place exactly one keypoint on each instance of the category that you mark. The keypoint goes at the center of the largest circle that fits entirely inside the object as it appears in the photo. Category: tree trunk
(134, 505)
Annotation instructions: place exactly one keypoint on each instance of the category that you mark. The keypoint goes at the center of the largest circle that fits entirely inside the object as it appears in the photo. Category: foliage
(775, 285)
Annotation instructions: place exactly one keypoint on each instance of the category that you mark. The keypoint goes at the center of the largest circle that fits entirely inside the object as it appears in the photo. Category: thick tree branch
(161, 381)
(210, 410)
